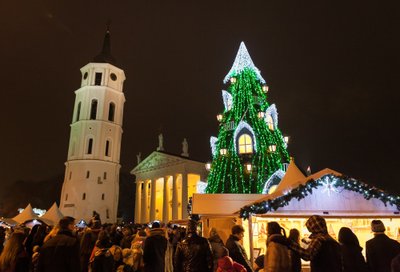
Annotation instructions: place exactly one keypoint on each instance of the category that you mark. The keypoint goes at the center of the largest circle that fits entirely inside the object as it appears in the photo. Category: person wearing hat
(154, 249)
(380, 250)
(323, 252)
(194, 253)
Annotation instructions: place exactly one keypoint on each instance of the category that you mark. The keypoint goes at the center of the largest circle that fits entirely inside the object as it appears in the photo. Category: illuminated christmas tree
(249, 155)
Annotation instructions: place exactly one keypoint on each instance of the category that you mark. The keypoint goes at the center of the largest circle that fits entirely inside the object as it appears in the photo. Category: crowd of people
(165, 248)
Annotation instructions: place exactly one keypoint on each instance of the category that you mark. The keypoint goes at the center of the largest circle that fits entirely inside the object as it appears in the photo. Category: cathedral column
(153, 198)
(175, 197)
(184, 195)
(137, 201)
(145, 202)
(166, 201)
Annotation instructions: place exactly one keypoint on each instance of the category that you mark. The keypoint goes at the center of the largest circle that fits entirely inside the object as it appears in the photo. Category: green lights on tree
(250, 147)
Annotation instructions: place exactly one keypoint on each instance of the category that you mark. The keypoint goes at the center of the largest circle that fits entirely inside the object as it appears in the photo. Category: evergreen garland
(306, 189)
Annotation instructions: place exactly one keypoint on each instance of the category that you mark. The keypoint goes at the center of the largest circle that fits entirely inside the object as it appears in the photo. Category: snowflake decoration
(329, 186)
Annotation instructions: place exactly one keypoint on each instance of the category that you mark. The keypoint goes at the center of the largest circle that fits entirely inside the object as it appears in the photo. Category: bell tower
(91, 181)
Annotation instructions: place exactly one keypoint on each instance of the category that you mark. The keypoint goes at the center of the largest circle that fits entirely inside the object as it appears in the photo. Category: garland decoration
(303, 190)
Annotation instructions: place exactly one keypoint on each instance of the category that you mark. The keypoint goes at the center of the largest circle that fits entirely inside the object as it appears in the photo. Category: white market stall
(343, 201)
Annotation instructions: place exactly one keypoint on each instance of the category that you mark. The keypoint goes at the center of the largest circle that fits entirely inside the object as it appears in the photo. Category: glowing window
(270, 122)
(245, 144)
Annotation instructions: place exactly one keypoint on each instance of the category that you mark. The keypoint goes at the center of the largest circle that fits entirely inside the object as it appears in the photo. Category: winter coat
(103, 261)
(226, 264)
(380, 251)
(396, 264)
(323, 251)
(295, 261)
(353, 260)
(154, 251)
(193, 254)
(216, 246)
(238, 253)
(277, 257)
(60, 253)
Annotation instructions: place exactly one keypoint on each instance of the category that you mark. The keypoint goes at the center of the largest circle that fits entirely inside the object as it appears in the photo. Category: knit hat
(377, 226)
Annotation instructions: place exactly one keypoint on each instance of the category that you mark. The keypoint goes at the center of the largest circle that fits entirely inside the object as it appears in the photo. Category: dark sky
(332, 67)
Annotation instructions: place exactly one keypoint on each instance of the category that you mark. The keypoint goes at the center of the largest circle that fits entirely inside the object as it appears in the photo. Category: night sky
(332, 68)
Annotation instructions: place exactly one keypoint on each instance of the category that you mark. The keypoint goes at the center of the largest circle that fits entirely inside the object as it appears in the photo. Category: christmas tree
(249, 155)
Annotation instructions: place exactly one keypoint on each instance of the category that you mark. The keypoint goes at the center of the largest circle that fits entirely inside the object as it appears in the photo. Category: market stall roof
(210, 204)
(8, 221)
(221, 204)
(26, 215)
(327, 193)
(52, 216)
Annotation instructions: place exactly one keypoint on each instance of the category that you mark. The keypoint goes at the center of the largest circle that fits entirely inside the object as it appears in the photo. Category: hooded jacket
(154, 251)
(323, 251)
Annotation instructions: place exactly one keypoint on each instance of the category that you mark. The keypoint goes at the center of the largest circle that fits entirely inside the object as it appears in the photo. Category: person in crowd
(86, 248)
(127, 238)
(2, 238)
(137, 250)
(154, 249)
(116, 252)
(216, 245)
(29, 239)
(226, 264)
(61, 253)
(277, 258)
(102, 259)
(353, 260)
(295, 260)
(35, 258)
(259, 263)
(380, 250)
(115, 234)
(236, 250)
(14, 258)
(193, 253)
(53, 232)
(323, 252)
(38, 238)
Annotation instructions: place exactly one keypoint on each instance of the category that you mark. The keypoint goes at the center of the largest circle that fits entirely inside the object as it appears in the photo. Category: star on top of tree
(243, 60)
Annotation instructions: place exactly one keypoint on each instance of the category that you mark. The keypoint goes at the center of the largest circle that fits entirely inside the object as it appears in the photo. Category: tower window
(78, 111)
(93, 110)
(70, 174)
(90, 146)
(102, 196)
(107, 153)
(66, 197)
(111, 112)
(84, 196)
(107, 214)
(105, 175)
(97, 80)
(87, 174)
(245, 144)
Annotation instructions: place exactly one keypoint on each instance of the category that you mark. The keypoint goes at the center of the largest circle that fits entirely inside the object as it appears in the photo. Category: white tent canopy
(26, 215)
(52, 216)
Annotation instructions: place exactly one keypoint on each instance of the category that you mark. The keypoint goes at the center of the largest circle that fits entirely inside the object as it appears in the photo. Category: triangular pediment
(158, 160)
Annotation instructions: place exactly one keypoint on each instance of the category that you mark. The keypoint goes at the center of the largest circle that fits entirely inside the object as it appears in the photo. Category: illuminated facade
(91, 181)
(164, 183)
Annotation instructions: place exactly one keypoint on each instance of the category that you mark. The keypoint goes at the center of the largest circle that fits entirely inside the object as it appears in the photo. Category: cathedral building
(164, 184)
(91, 181)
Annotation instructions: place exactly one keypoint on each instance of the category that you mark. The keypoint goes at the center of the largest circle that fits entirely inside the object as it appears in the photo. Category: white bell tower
(91, 181)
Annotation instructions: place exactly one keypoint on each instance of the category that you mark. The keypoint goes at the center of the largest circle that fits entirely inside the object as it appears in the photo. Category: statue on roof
(185, 148)
(139, 157)
(160, 142)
